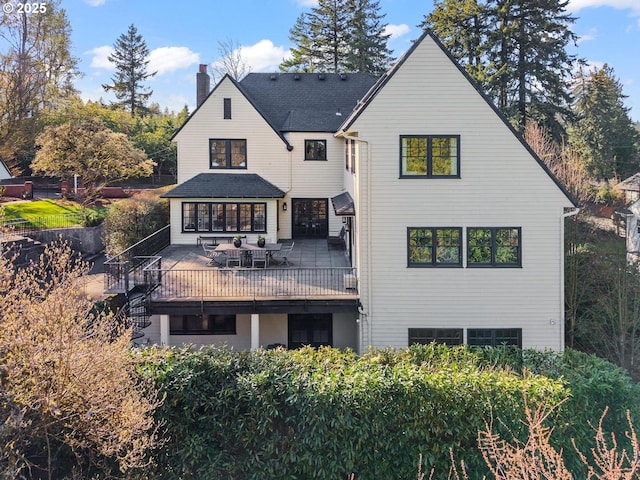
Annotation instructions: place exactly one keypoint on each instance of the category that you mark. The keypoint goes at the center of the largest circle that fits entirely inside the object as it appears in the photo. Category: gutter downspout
(365, 315)
(562, 296)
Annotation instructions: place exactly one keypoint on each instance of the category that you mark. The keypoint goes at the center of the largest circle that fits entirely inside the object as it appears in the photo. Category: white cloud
(101, 57)
(307, 3)
(396, 31)
(577, 5)
(592, 34)
(263, 56)
(95, 3)
(169, 59)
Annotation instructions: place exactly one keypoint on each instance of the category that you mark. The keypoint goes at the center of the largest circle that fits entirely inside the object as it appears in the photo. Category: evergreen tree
(603, 132)
(367, 42)
(339, 36)
(302, 56)
(130, 57)
(329, 24)
(462, 27)
(516, 50)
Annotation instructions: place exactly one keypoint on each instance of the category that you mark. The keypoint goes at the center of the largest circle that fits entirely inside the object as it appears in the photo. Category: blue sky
(182, 35)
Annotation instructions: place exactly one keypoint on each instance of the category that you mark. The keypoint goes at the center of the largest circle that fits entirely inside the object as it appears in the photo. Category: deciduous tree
(70, 401)
(36, 75)
(88, 149)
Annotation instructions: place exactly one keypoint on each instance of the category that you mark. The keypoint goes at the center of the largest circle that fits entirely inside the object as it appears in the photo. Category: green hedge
(323, 414)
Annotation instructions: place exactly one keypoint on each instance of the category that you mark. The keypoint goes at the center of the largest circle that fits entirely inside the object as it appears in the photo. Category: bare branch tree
(231, 61)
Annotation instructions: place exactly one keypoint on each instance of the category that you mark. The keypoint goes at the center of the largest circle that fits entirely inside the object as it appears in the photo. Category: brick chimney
(203, 84)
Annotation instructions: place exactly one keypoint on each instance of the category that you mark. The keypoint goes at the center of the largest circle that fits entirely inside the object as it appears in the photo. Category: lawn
(49, 213)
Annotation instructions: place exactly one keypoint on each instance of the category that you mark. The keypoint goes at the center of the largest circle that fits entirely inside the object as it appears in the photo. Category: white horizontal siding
(501, 185)
(267, 154)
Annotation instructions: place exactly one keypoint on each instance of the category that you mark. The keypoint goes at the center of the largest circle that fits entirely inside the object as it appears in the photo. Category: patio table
(247, 248)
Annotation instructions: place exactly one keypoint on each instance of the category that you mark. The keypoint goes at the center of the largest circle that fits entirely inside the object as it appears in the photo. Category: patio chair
(259, 257)
(234, 256)
(210, 252)
(284, 253)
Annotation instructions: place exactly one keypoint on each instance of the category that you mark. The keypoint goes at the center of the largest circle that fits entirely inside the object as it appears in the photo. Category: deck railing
(252, 283)
(125, 270)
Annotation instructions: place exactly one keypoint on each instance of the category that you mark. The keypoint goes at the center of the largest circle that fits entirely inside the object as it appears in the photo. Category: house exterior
(4, 171)
(453, 228)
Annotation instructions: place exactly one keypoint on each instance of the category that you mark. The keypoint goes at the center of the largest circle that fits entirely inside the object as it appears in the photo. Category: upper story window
(227, 109)
(434, 247)
(430, 156)
(226, 153)
(315, 149)
(494, 247)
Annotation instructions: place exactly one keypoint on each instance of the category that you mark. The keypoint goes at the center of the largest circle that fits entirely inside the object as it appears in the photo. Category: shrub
(325, 413)
(131, 220)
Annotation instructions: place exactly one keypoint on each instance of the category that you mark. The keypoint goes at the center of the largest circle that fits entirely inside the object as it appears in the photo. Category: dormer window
(227, 153)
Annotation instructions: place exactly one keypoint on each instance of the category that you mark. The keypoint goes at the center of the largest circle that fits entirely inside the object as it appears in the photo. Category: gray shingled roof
(225, 185)
(631, 183)
(303, 102)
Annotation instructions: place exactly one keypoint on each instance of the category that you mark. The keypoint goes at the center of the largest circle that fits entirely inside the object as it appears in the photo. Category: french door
(315, 330)
(309, 219)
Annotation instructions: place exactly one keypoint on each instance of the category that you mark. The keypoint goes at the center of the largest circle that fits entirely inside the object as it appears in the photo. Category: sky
(183, 34)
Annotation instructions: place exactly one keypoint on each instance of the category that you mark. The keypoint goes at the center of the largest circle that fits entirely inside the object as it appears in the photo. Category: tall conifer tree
(603, 132)
(130, 57)
(339, 36)
(367, 43)
(516, 50)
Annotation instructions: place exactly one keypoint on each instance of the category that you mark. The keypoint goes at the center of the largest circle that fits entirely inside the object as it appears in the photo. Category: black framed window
(434, 247)
(227, 109)
(494, 337)
(494, 247)
(347, 154)
(202, 324)
(315, 149)
(425, 336)
(224, 217)
(353, 155)
(227, 153)
(430, 156)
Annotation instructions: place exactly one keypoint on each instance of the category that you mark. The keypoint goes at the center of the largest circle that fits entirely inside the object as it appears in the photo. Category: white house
(453, 228)
(4, 171)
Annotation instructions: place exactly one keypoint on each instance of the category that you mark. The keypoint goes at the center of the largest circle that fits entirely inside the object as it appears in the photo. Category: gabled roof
(631, 183)
(225, 185)
(3, 168)
(306, 102)
(382, 81)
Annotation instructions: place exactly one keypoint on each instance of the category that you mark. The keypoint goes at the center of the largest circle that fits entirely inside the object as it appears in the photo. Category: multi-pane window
(224, 217)
(494, 337)
(434, 246)
(315, 149)
(226, 153)
(494, 247)
(430, 156)
(425, 336)
(202, 324)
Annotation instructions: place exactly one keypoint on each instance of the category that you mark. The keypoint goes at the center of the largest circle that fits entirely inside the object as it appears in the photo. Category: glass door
(315, 330)
(309, 219)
